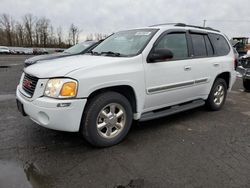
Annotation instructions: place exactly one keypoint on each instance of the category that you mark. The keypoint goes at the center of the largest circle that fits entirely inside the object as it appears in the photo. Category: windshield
(78, 48)
(125, 43)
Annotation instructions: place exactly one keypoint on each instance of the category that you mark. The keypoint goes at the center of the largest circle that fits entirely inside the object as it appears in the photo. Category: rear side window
(220, 44)
(176, 42)
(199, 45)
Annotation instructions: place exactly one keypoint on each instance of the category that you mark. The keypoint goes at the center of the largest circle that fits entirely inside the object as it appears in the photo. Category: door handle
(216, 64)
(187, 68)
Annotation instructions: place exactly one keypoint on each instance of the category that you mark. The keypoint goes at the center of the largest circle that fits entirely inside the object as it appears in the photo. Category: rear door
(206, 65)
(210, 64)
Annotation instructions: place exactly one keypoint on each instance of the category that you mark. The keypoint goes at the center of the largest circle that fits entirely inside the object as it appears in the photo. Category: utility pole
(204, 23)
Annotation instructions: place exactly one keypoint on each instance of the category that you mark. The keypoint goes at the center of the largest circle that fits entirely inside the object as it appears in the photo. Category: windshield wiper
(93, 53)
(66, 52)
(110, 53)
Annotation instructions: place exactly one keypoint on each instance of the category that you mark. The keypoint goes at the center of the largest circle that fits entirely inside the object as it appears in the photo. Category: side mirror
(158, 55)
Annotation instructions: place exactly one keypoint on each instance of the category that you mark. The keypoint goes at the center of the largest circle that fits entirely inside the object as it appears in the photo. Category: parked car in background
(13, 52)
(4, 50)
(80, 48)
(20, 50)
(244, 69)
(28, 51)
(39, 51)
(139, 74)
(241, 44)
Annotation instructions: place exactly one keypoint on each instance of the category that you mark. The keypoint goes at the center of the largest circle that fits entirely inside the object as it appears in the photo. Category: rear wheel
(246, 84)
(107, 119)
(217, 96)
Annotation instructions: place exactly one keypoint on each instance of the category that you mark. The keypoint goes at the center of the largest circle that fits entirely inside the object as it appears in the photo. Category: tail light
(235, 62)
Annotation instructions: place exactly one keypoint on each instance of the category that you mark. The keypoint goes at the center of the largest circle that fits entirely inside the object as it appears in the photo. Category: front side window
(176, 42)
(125, 43)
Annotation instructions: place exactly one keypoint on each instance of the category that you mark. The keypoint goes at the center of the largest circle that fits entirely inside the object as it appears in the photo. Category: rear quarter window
(220, 44)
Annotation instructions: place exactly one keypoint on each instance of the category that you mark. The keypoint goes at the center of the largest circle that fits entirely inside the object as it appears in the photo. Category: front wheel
(107, 119)
(246, 84)
(217, 96)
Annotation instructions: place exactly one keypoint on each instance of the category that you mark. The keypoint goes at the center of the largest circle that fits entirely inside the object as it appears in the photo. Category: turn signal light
(68, 89)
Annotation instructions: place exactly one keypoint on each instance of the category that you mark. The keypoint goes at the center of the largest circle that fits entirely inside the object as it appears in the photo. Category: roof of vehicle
(4, 47)
(182, 25)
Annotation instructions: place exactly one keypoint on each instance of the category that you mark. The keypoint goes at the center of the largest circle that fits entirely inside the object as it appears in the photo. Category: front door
(170, 82)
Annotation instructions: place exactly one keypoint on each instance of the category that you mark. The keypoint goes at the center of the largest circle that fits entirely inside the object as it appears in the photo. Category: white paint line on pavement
(11, 65)
(7, 97)
(246, 113)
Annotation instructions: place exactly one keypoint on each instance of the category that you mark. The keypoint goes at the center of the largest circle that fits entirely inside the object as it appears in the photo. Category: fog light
(43, 118)
(63, 104)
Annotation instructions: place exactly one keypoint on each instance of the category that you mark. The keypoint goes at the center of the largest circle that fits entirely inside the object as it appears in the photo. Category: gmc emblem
(27, 83)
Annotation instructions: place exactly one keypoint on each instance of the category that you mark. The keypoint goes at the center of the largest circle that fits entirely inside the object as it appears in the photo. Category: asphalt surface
(196, 148)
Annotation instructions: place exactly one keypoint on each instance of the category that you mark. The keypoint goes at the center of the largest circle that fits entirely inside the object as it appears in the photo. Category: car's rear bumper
(48, 113)
(233, 79)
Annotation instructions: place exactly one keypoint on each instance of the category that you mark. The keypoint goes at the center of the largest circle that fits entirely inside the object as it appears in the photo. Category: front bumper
(45, 112)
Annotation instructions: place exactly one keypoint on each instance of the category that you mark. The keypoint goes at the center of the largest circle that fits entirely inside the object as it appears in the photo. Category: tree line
(32, 31)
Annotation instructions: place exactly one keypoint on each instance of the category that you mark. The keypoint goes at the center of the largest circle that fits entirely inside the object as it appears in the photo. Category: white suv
(4, 50)
(138, 74)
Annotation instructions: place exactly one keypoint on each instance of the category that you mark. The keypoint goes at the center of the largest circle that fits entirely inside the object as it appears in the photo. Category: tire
(246, 84)
(217, 96)
(113, 114)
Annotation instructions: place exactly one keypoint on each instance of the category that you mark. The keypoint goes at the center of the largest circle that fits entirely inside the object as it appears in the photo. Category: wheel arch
(125, 90)
(225, 76)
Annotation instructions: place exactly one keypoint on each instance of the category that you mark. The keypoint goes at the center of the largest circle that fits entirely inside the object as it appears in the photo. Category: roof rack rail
(194, 26)
(164, 24)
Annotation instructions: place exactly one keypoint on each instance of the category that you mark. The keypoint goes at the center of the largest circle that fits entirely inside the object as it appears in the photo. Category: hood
(35, 59)
(63, 66)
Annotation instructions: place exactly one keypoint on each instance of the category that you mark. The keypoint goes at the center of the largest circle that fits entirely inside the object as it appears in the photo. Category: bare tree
(73, 34)
(90, 37)
(5, 22)
(59, 35)
(51, 37)
(19, 31)
(32, 31)
(37, 32)
(29, 21)
(44, 24)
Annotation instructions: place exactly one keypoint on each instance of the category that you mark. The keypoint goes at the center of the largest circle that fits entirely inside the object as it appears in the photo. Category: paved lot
(192, 149)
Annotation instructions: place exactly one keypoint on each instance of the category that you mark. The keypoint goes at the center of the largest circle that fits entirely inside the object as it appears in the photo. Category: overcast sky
(232, 17)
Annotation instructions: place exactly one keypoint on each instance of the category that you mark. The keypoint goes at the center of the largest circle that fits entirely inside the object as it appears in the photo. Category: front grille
(29, 84)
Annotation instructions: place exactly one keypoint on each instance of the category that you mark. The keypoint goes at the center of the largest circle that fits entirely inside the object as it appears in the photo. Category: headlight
(61, 88)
